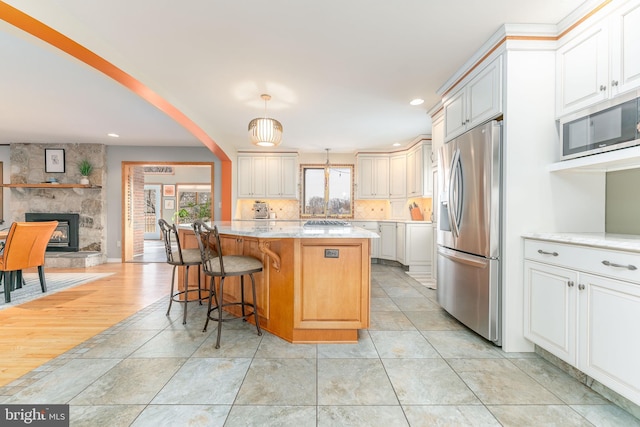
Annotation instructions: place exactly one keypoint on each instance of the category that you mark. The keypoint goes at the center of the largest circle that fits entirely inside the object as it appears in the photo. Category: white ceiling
(341, 73)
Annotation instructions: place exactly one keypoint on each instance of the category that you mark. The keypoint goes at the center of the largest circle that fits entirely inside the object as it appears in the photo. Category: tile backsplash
(363, 209)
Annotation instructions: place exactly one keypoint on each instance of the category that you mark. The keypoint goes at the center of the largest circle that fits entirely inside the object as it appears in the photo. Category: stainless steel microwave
(605, 129)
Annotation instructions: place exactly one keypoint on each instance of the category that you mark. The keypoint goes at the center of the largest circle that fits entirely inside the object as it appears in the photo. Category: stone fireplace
(65, 236)
(87, 205)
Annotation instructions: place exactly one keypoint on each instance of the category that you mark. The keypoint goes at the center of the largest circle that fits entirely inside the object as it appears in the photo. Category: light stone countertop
(287, 229)
(406, 221)
(626, 242)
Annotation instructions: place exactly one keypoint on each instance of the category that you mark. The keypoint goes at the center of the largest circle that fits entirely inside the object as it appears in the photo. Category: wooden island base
(312, 290)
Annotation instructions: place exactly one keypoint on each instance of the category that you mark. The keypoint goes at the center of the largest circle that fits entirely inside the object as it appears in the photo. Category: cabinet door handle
(541, 252)
(581, 287)
(612, 264)
(570, 283)
(614, 83)
(603, 88)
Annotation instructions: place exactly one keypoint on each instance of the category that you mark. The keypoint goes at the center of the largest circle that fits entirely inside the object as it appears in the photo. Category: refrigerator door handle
(462, 258)
(453, 208)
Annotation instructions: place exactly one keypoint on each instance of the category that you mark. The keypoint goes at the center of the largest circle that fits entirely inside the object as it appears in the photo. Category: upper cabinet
(419, 170)
(398, 176)
(282, 174)
(272, 176)
(437, 137)
(600, 63)
(251, 177)
(475, 102)
(373, 177)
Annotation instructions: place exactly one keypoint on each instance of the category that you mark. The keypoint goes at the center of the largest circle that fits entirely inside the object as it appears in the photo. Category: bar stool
(216, 264)
(179, 257)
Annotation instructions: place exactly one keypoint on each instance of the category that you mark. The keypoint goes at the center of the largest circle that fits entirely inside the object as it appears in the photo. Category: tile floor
(414, 366)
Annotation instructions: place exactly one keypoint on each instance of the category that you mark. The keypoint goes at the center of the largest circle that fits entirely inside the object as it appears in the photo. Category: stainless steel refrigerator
(469, 187)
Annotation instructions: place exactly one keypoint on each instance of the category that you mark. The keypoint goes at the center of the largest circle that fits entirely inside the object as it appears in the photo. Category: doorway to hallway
(151, 190)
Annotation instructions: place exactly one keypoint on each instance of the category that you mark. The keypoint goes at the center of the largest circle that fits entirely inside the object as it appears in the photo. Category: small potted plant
(85, 167)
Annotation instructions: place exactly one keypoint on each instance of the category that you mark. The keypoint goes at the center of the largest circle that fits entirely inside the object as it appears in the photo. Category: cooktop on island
(326, 222)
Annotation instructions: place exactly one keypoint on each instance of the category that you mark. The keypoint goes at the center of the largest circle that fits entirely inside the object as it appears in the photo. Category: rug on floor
(55, 282)
(423, 278)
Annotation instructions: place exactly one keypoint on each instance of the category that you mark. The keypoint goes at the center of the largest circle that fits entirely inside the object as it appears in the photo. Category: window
(327, 191)
(194, 202)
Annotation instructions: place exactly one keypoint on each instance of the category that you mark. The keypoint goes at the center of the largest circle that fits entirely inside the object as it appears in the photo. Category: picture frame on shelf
(54, 160)
(169, 204)
(169, 190)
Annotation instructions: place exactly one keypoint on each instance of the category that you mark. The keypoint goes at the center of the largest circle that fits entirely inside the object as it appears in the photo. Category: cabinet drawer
(615, 264)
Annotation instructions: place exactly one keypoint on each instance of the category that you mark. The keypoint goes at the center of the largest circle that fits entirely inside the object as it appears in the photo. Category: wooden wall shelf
(49, 185)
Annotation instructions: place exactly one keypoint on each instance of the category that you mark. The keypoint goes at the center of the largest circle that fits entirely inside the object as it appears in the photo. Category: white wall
(536, 200)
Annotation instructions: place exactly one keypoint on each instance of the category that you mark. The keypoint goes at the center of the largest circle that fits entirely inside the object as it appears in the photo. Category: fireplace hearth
(65, 237)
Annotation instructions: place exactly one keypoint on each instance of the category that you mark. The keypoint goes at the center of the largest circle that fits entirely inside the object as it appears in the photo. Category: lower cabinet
(550, 312)
(401, 241)
(373, 227)
(582, 304)
(331, 292)
(608, 344)
(409, 243)
(419, 247)
(387, 240)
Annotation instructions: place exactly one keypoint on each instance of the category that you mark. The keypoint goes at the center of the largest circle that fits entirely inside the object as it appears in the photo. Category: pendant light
(265, 132)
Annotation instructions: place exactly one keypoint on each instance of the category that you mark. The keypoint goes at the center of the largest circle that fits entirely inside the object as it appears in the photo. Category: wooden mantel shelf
(49, 185)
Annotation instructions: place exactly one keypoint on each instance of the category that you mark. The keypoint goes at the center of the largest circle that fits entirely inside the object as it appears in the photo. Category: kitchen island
(315, 286)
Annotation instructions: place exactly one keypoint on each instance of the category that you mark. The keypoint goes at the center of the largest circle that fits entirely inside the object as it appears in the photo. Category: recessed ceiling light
(416, 101)
(113, 135)
(396, 144)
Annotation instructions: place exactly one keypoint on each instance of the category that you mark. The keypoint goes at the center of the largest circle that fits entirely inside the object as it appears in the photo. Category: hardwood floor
(35, 332)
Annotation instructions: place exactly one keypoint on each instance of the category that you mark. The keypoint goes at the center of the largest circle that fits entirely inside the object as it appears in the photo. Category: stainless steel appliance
(468, 233)
(260, 210)
(608, 126)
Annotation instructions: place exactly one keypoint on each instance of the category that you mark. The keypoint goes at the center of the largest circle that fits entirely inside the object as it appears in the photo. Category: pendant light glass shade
(265, 132)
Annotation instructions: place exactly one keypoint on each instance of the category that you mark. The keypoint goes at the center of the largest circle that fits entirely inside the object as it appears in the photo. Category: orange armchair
(25, 247)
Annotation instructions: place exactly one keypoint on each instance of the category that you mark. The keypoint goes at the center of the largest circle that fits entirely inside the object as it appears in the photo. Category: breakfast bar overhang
(315, 286)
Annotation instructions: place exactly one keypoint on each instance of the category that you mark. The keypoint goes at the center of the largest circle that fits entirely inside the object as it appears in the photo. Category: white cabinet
(418, 171)
(583, 71)
(398, 176)
(401, 250)
(282, 177)
(550, 312)
(268, 176)
(582, 304)
(437, 138)
(251, 177)
(388, 242)
(625, 63)
(409, 243)
(419, 246)
(609, 349)
(601, 62)
(373, 227)
(373, 177)
(476, 102)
